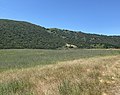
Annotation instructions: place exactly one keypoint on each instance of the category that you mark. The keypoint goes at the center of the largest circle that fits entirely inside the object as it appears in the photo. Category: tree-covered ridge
(84, 40)
(20, 34)
(17, 34)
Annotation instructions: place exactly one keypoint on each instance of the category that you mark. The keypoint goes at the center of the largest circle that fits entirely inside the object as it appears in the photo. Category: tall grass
(81, 73)
(92, 76)
(101, 78)
(24, 58)
(86, 85)
(16, 87)
(82, 88)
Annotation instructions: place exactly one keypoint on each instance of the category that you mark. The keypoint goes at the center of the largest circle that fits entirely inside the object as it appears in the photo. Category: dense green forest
(20, 34)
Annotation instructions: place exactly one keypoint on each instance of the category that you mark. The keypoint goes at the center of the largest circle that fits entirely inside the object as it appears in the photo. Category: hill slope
(20, 34)
(84, 40)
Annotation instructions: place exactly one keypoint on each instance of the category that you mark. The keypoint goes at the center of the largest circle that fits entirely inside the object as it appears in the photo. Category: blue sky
(90, 16)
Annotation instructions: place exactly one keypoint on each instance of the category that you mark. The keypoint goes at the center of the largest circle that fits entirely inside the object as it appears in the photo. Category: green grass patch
(23, 58)
(16, 87)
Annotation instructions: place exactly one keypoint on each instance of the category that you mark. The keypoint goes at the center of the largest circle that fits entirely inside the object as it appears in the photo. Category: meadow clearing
(59, 72)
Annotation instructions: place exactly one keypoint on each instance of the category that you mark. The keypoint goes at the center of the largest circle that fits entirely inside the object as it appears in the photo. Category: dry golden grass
(102, 72)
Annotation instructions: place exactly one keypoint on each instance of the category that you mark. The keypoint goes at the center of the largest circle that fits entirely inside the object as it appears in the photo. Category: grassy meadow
(24, 58)
(59, 72)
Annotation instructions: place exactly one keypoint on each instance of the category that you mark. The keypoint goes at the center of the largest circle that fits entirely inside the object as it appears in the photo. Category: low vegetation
(16, 87)
(25, 58)
(92, 76)
(89, 72)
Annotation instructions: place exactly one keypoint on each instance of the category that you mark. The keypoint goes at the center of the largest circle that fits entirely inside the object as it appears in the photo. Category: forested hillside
(20, 34)
(17, 34)
(84, 40)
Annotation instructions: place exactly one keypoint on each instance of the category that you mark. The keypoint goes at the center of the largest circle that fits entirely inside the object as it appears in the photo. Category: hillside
(84, 40)
(20, 34)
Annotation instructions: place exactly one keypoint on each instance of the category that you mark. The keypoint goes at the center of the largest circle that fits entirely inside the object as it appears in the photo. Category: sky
(89, 16)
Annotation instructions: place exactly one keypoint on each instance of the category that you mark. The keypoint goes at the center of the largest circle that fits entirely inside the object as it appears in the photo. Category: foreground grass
(16, 87)
(24, 58)
(91, 76)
